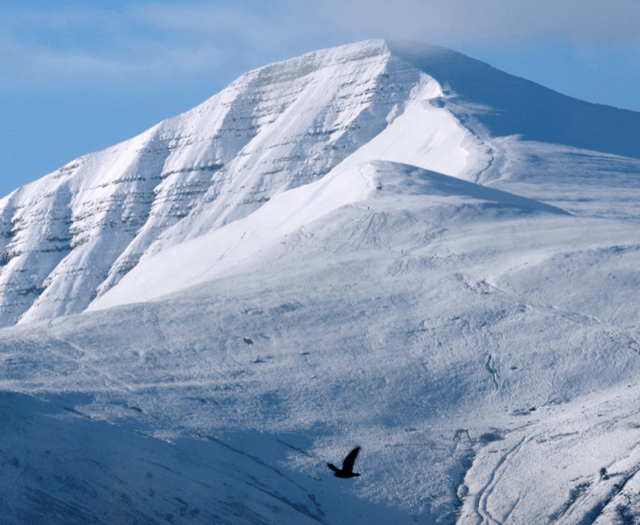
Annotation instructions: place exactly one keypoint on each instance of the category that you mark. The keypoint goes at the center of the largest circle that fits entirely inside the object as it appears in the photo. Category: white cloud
(163, 42)
(479, 19)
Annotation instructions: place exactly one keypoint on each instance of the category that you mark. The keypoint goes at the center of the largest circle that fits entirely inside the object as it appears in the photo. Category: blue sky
(79, 76)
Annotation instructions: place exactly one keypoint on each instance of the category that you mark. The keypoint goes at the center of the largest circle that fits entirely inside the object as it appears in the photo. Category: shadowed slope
(509, 105)
(403, 179)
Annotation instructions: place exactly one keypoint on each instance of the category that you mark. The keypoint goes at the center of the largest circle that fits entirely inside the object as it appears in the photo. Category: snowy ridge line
(223, 249)
(273, 129)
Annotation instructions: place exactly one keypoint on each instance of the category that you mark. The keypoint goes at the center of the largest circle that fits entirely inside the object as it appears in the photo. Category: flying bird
(347, 465)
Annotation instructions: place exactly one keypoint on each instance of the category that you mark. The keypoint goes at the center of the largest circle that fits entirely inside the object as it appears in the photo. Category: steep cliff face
(73, 234)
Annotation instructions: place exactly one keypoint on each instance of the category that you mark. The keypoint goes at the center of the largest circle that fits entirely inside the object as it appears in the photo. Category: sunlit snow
(381, 245)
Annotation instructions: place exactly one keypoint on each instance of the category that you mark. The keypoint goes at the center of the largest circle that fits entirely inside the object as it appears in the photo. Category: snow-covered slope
(449, 285)
(223, 249)
(74, 234)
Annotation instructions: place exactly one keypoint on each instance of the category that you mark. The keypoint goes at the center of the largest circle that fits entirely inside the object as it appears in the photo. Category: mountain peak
(71, 236)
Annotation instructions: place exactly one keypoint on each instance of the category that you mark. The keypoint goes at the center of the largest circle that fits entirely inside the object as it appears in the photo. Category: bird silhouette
(347, 465)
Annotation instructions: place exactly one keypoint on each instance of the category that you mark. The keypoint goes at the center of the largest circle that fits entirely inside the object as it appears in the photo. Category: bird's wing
(347, 464)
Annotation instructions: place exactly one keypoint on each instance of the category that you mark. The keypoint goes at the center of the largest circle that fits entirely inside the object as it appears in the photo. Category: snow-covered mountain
(76, 232)
(384, 244)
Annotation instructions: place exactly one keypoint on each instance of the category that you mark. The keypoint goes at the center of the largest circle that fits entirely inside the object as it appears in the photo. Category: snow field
(457, 299)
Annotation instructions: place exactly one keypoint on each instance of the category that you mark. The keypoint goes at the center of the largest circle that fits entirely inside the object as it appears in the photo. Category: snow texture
(384, 245)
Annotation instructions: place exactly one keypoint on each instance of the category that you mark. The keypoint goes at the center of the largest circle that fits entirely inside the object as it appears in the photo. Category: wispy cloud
(484, 19)
(164, 42)
(69, 47)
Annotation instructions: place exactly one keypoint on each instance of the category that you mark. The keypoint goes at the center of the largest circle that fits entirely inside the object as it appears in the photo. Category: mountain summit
(71, 236)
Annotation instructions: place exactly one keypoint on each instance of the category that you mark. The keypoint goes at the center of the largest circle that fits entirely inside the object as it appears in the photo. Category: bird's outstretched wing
(347, 464)
(333, 467)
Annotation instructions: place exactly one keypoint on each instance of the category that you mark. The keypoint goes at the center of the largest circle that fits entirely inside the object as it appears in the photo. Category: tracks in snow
(490, 368)
(592, 478)
(482, 498)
